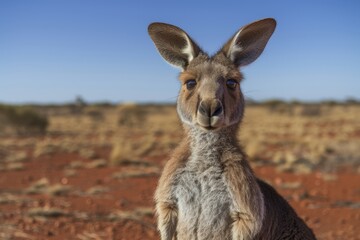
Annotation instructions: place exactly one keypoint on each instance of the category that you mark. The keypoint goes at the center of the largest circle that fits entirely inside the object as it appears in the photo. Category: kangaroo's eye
(190, 84)
(231, 83)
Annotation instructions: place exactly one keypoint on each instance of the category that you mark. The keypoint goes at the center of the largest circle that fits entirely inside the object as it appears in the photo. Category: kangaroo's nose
(210, 108)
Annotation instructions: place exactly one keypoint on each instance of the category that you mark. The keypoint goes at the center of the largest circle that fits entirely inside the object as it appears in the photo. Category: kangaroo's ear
(249, 42)
(174, 45)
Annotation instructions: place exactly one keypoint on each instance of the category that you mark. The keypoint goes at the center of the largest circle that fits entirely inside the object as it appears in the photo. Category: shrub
(95, 114)
(132, 115)
(352, 101)
(22, 120)
(311, 110)
(273, 103)
(131, 152)
(279, 106)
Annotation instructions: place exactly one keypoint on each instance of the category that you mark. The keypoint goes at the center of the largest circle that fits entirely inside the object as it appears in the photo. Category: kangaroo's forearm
(167, 219)
(248, 209)
(166, 208)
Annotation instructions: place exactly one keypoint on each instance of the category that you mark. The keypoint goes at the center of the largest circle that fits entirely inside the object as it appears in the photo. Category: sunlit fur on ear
(234, 48)
(188, 50)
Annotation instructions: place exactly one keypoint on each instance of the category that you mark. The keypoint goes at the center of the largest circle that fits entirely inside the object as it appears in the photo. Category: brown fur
(209, 170)
(166, 208)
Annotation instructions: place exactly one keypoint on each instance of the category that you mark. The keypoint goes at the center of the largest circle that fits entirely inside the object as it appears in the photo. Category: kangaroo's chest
(203, 202)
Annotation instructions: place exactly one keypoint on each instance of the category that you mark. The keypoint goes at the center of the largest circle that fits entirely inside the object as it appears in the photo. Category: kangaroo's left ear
(249, 42)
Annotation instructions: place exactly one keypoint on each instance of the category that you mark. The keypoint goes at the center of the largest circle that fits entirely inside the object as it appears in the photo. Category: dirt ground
(56, 194)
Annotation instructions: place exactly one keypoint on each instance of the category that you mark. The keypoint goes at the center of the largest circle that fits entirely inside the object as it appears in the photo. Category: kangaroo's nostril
(203, 109)
(210, 108)
(217, 111)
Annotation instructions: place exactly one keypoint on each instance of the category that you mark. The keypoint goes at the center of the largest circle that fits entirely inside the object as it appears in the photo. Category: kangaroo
(207, 189)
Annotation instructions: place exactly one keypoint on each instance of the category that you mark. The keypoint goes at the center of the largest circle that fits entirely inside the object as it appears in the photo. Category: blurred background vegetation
(295, 135)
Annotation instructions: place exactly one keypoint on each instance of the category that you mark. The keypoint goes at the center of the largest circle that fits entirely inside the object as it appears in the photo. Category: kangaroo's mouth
(210, 128)
(210, 123)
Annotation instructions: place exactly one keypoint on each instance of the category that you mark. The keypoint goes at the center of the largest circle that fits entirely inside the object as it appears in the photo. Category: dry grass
(19, 156)
(7, 198)
(87, 153)
(23, 120)
(42, 186)
(91, 236)
(45, 148)
(12, 166)
(135, 214)
(132, 152)
(47, 212)
(290, 185)
(302, 141)
(69, 172)
(12, 160)
(293, 137)
(97, 190)
(99, 163)
(76, 165)
(297, 139)
(137, 172)
(11, 232)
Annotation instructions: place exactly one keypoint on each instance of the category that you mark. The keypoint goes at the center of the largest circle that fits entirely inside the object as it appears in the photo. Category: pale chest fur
(202, 197)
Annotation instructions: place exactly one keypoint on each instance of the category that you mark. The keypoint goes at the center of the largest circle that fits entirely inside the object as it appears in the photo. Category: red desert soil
(46, 200)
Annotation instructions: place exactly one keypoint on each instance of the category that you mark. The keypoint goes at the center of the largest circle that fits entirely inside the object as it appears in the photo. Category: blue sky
(53, 51)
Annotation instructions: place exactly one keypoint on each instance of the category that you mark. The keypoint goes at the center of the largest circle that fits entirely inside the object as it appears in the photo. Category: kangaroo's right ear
(174, 45)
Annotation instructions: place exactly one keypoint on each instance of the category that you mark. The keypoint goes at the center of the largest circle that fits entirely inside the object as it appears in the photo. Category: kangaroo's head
(210, 96)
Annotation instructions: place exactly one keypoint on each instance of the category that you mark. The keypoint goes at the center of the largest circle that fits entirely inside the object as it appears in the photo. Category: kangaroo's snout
(210, 108)
(210, 113)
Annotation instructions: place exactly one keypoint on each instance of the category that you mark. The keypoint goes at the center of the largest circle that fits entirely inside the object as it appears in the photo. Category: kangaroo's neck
(203, 143)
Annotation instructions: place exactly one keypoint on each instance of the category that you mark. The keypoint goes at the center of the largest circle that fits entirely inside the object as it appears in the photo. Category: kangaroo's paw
(167, 219)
